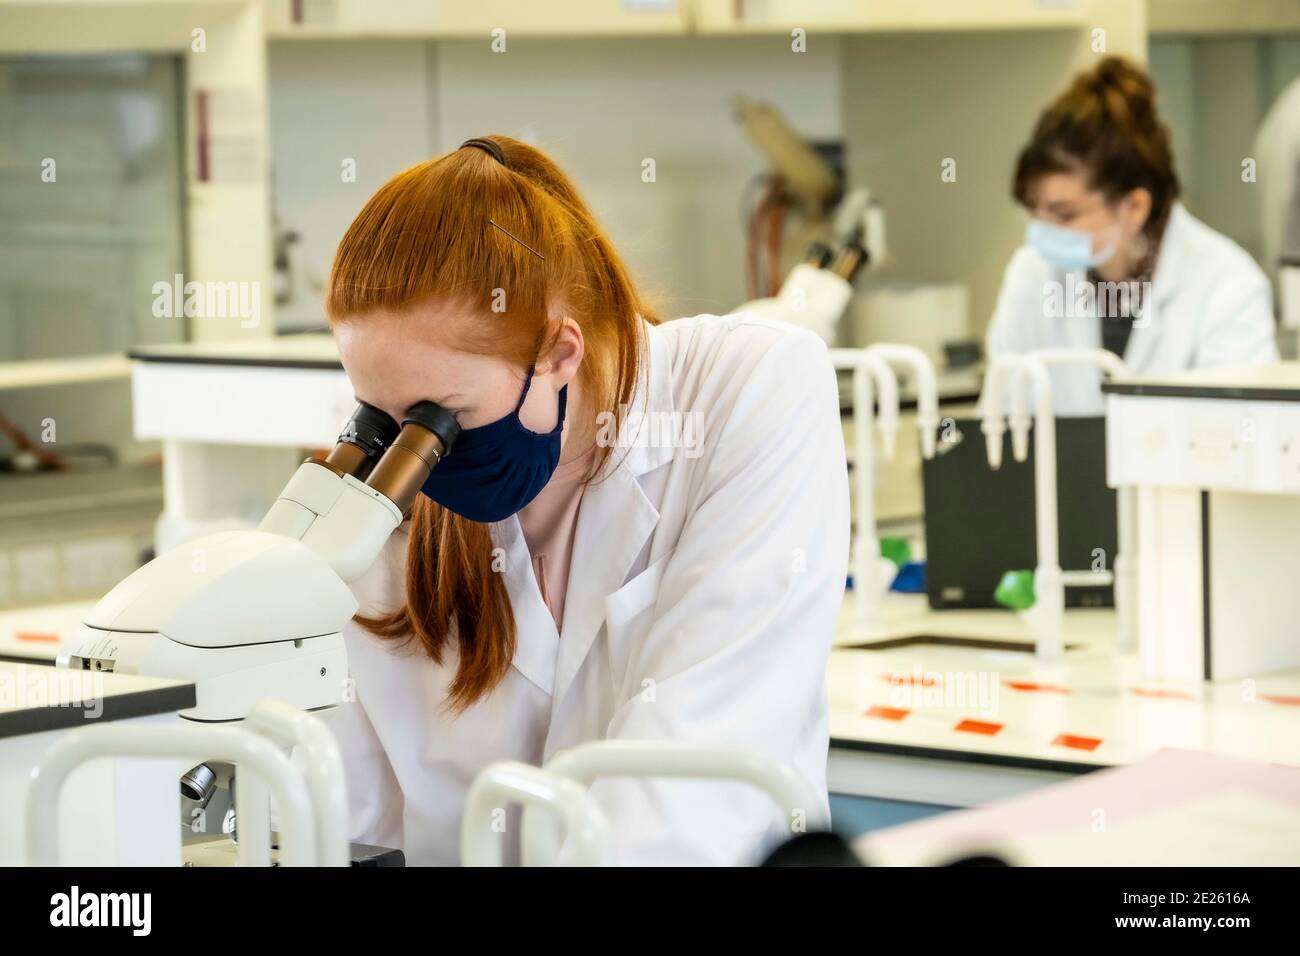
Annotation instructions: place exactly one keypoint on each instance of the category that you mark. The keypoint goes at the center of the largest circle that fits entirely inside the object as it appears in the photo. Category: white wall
(368, 101)
(602, 106)
(903, 102)
(913, 100)
(973, 102)
(599, 106)
(1214, 93)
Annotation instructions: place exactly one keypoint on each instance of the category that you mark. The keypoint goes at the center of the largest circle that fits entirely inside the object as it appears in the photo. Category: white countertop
(41, 633)
(1037, 707)
(1231, 381)
(314, 348)
(1092, 708)
(40, 373)
(36, 698)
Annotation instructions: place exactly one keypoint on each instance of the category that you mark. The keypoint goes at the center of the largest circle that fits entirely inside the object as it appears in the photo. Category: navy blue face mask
(494, 470)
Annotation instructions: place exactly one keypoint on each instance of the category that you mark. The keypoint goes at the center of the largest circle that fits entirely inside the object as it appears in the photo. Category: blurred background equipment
(806, 238)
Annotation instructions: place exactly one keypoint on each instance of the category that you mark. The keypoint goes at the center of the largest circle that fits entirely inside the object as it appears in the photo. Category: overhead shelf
(358, 19)
(885, 16)
(347, 19)
(38, 373)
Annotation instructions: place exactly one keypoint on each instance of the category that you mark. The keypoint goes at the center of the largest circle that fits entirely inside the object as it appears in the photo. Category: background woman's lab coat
(1210, 306)
(707, 578)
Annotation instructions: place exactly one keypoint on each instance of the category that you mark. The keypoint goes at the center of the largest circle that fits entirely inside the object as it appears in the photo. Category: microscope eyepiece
(365, 437)
(427, 434)
(437, 420)
(370, 429)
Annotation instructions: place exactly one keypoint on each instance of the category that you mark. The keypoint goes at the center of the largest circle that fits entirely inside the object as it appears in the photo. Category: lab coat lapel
(536, 638)
(1164, 284)
(616, 518)
(614, 523)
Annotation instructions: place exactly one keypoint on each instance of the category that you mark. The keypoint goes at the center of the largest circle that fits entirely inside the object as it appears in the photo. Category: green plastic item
(1016, 590)
(896, 550)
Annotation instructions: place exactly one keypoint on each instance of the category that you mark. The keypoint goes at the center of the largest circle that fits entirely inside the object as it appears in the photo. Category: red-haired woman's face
(395, 359)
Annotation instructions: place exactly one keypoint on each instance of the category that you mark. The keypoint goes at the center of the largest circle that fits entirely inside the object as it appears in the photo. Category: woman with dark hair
(1111, 258)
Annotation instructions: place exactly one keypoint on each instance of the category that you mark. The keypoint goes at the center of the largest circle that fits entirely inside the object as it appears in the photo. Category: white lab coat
(1210, 306)
(701, 604)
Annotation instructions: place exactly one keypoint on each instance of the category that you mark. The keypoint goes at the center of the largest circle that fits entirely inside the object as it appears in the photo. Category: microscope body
(251, 615)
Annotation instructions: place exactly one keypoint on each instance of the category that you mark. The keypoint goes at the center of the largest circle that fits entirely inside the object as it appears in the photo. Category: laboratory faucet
(1046, 616)
(1124, 564)
(874, 364)
(873, 380)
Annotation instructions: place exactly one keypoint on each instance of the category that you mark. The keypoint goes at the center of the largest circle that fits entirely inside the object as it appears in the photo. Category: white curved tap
(1125, 561)
(873, 365)
(1046, 616)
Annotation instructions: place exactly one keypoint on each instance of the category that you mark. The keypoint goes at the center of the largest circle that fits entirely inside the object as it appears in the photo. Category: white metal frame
(1126, 558)
(312, 802)
(584, 764)
(322, 767)
(874, 365)
(509, 781)
(1046, 617)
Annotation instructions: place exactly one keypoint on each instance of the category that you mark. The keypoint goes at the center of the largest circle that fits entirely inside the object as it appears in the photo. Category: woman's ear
(565, 355)
(1137, 209)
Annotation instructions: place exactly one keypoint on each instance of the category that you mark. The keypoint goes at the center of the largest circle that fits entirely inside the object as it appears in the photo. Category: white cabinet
(293, 19)
(848, 16)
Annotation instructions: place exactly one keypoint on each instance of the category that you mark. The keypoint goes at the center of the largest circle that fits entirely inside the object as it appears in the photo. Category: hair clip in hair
(488, 146)
(518, 240)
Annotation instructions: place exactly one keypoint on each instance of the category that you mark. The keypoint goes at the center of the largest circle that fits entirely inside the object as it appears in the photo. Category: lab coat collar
(614, 520)
(1165, 282)
(616, 517)
(536, 639)
(648, 413)
(1168, 277)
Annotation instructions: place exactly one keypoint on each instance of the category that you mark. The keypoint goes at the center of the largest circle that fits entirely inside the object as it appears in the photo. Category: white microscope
(252, 615)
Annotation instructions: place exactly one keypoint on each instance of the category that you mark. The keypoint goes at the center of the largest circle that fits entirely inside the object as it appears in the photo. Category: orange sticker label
(37, 637)
(1076, 742)
(888, 713)
(978, 727)
(1030, 686)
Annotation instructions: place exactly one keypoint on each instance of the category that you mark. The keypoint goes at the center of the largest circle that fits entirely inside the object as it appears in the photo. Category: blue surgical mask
(493, 471)
(1069, 250)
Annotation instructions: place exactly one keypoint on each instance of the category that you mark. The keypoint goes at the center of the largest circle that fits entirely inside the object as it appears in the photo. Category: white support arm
(1047, 614)
(927, 389)
(323, 768)
(251, 753)
(798, 804)
(1125, 561)
(508, 781)
(867, 368)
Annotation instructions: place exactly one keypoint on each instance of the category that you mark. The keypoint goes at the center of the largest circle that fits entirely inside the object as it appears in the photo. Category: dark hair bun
(1126, 94)
(1105, 123)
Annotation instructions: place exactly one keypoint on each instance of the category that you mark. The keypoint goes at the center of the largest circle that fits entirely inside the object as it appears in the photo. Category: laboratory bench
(931, 710)
(109, 808)
(934, 710)
(38, 635)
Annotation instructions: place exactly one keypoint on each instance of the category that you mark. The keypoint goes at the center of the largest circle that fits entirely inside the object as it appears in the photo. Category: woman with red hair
(641, 532)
